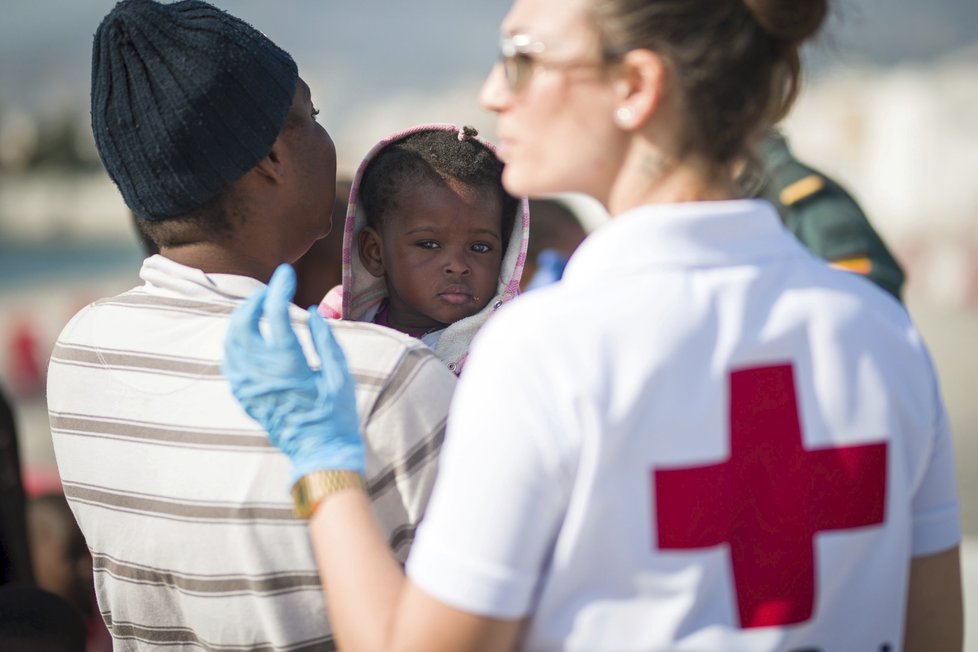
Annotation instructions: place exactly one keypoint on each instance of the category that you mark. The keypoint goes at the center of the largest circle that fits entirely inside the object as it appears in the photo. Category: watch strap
(313, 487)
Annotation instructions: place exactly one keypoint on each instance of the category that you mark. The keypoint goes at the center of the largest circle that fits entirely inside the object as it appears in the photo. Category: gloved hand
(310, 415)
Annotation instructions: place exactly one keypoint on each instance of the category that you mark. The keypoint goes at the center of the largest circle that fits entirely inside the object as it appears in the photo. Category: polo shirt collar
(191, 282)
(688, 234)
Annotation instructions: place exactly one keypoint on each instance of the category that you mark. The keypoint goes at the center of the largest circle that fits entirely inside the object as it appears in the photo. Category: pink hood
(362, 291)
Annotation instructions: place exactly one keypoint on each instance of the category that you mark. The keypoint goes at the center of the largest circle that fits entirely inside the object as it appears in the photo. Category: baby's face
(442, 250)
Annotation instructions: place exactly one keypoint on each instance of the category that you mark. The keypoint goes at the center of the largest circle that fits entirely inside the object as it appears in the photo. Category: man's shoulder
(142, 307)
(87, 312)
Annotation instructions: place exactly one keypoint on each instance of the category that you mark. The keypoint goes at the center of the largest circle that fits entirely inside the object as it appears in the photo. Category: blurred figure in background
(63, 564)
(321, 268)
(25, 364)
(15, 561)
(555, 232)
(35, 620)
(824, 216)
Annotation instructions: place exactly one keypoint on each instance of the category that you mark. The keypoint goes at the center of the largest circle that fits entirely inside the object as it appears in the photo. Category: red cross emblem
(767, 501)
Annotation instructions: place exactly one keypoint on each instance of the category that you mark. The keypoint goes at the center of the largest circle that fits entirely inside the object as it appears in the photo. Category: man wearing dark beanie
(211, 137)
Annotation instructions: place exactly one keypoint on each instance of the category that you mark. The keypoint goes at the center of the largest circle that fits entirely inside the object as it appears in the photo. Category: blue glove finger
(310, 416)
(337, 396)
(333, 367)
(278, 353)
(281, 289)
(243, 334)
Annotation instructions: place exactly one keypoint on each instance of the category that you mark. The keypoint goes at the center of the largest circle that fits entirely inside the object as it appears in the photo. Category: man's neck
(214, 258)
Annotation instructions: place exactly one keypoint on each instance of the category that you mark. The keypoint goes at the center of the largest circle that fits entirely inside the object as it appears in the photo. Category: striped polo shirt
(183, 502)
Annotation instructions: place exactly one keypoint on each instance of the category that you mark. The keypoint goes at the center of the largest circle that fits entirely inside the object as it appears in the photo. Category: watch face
(300, 499)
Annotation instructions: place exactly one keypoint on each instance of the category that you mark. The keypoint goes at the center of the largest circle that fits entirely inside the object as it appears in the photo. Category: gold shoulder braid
(314, 487)
(801, 189)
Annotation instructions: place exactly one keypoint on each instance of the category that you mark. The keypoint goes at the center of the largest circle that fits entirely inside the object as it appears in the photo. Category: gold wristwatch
(314, 487)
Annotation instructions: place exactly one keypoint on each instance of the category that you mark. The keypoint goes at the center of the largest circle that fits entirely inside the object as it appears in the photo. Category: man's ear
(370, 247)
(272, 167)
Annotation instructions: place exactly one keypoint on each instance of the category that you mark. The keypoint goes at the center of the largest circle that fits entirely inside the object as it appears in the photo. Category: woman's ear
(640, 88)
(370, 248)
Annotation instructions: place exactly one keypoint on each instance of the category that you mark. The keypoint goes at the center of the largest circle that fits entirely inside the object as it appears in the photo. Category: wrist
(314, 487)
(322, 446)
(326, 458)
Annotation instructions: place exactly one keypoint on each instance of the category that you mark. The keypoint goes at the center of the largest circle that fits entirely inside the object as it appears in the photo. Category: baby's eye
(427, 244)
(481, 248)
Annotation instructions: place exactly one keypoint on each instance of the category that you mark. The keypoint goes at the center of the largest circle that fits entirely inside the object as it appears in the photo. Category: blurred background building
(888, 110)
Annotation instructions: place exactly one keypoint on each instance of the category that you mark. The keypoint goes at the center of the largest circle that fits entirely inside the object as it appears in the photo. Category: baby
(432, 242)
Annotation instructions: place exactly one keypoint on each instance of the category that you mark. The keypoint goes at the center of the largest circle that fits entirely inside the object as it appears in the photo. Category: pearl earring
(623, 116)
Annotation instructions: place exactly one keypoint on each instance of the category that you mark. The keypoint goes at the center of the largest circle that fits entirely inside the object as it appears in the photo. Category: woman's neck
(653, 180)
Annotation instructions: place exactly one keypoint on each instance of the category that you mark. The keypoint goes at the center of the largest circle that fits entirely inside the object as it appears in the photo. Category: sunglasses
(518, 54)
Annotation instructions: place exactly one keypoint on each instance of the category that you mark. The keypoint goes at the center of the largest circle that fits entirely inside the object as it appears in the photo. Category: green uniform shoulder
(824, 216)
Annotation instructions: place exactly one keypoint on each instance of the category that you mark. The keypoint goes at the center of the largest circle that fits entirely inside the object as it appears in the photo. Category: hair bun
(789, 20)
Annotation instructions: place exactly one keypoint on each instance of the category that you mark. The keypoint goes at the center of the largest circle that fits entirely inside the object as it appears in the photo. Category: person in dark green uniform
(823, 216)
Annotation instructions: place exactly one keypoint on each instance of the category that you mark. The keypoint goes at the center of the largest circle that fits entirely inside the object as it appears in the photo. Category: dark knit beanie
(185, 99)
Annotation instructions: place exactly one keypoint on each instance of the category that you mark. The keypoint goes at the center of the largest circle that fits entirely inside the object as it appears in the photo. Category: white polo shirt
(703, 438)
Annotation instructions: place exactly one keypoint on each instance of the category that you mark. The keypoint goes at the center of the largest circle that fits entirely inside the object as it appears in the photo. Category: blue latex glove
(310, 415)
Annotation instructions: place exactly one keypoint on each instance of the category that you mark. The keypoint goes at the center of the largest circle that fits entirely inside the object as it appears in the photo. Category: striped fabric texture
(182, 500)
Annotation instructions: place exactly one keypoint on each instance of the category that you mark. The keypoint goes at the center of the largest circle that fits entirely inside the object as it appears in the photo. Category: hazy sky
(362, 55)
(372, 46)
(367, 45)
